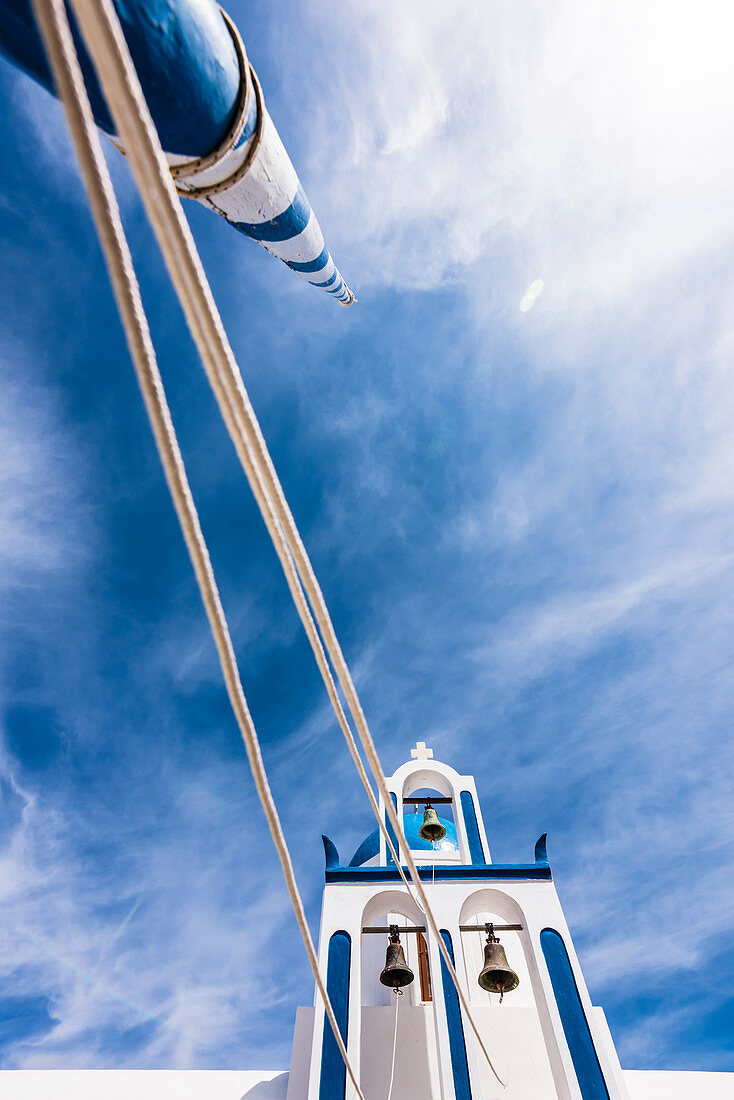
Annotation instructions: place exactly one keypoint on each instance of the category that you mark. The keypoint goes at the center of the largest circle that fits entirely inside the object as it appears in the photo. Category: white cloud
(142, 942)
(591, 144)
(537, 638)
(39, 467)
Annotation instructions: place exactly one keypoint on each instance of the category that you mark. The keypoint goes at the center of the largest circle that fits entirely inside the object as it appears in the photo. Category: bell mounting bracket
(393, 929)
(490, 929)
(428, 801)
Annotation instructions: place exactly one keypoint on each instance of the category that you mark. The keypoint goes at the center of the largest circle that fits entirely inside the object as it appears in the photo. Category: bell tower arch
(544, 1037)
(424, 773)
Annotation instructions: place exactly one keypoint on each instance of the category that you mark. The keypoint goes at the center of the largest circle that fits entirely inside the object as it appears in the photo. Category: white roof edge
(674, 1084)
(143, 1084)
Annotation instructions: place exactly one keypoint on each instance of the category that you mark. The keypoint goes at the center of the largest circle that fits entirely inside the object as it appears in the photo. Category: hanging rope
(184, 266)
(54, 27)
(104, 40)
(398, 994)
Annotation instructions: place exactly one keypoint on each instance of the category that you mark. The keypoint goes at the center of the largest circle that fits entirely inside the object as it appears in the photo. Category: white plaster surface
(644, 1084)
(301, 1054)
(514, 1042)
(416, 1065)
(142, 1084)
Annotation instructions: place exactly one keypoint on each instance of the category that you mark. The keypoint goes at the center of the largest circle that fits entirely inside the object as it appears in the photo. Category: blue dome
(369, 847)
(412, 822)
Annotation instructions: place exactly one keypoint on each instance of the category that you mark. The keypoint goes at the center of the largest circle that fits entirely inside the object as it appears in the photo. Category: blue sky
(521, 518)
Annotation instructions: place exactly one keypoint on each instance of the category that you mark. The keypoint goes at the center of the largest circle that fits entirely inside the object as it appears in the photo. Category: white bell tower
(546, 1040)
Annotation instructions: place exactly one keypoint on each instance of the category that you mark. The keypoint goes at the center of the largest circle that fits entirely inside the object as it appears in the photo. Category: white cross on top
(420, 752)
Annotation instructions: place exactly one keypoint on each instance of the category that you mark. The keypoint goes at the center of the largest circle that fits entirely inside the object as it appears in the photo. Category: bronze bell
(497, 976)
(431, 829)
(397, 973)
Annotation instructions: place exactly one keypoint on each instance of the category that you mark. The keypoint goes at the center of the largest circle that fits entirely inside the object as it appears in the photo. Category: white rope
(54, 27)
(104, 40)
(186, 273)
(394, 1045)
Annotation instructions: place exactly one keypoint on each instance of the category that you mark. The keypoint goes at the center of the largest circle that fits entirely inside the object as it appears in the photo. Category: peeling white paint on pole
(254, 186)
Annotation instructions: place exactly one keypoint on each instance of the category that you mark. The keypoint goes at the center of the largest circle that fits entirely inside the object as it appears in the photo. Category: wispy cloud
(562, 140)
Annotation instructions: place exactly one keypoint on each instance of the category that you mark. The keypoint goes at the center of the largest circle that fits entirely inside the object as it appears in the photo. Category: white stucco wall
(514, 1042)
(301, 1054)
(416, 1065)
(142, 1084)
(644, 1084)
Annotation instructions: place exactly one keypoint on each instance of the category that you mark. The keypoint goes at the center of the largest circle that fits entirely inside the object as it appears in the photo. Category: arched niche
(443, 810)
(494, 906)
(390, 907)
(428, 777)
(426, 782)
(518, 1031)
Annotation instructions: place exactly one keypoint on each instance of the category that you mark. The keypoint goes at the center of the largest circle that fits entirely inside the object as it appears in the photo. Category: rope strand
(104, 40)
(54, 27)
(394, 1045)
(100, 28)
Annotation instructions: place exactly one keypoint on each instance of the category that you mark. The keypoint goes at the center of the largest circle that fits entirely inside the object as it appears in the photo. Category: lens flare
(531, 295)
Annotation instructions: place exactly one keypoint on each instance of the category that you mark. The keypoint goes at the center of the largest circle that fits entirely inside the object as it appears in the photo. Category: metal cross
(420, 752)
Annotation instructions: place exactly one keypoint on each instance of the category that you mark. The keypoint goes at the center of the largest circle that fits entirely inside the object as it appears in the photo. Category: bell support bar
(490, 927)
(428, 801)
(385, 929)
(207, 105)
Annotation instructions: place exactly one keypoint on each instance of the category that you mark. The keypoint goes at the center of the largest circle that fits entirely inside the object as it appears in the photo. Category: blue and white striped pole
(206, 102)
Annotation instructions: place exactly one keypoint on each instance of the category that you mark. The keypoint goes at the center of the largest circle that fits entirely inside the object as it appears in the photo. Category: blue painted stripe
(283, 226)
(328, 282)
(488, 873)
(476, 852)
(310, 266)
(393, 838)
(333, 1082)
(337, 290)
(457, 1041)
(573, 1017)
